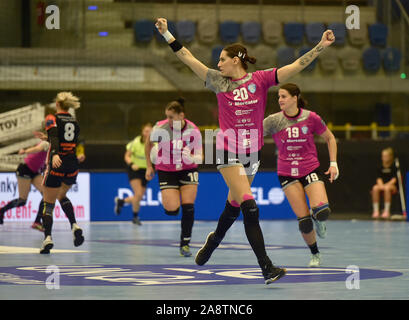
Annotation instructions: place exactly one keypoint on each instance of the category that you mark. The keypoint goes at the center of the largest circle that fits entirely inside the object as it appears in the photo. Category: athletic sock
(68, 209)
(48, 218)
(40, 212)
(314, 248)
(188, 217)
(252, 228)
(387, 206)
(226, 220)
(13, 204)
(375, 206)
(135, 214)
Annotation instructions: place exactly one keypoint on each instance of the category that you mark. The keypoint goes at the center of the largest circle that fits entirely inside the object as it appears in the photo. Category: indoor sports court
(117, 177)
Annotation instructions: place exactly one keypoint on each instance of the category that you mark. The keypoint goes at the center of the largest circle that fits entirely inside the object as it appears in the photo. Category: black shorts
(176, 179)
(23, 171)
(250, 162)
(310, 178)
(66, 173)
(137, 174)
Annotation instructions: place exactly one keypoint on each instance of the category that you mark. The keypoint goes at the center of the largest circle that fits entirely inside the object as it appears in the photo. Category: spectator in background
(136, 166)
(385, 184)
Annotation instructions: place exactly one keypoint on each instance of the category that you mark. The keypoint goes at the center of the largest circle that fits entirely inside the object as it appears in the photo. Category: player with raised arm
(241, 99)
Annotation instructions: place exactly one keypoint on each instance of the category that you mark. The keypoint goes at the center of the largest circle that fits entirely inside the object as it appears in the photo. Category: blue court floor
(119, 260)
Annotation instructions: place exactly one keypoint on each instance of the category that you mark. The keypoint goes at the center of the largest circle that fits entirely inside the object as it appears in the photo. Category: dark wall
(358, 162)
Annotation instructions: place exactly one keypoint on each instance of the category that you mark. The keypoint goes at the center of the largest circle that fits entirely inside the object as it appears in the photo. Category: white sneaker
(47, 245)
(315, 261)
(77, 234)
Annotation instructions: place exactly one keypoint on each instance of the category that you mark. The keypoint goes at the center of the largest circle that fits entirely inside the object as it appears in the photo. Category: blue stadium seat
(340, 32)
(251, 31)
(391, 58)
(215, 55)
(171, 28)
(314, 31)
(294, 33)
(303, 51)
(378, 34)
(285, 56)
(371, 59)
(185, 31)
(229, 31)
(143, 30)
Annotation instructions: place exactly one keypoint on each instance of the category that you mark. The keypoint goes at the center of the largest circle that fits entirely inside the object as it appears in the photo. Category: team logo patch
(304, 129)
(175, 274)
(252, 87)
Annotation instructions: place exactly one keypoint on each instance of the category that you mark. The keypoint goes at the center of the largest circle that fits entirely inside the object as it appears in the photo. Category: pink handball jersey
(242, 104)
(172, 141)
(36, 161)
(294, 138)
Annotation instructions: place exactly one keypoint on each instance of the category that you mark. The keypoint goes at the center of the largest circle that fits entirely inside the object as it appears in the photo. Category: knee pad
(20, 202)
(321, 213)
(172, 213)
(232, 210)
(250, 211)
(305, 224)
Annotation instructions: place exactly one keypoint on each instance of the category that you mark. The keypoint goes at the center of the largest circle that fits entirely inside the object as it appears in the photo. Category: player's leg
(67, 207)
(138, 191)
(188, 194)
(24, 186)
(317, 195)
(37, 182)
(388, 191)
(239, 186)
(50, 192)
(295, 195)
(375, 193)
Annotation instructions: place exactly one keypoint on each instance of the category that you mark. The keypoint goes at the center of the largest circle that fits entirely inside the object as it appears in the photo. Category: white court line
(20, 250)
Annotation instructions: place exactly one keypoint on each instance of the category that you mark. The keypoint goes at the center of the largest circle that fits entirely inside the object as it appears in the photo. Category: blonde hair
(390, 151)
(67, 100)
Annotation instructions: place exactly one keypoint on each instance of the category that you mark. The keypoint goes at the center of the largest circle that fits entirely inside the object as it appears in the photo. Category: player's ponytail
(67, 100)
(294, 90)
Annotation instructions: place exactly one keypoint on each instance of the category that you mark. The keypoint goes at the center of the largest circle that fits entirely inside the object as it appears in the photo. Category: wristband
(176, 46)
(335, 165)
(167, 35)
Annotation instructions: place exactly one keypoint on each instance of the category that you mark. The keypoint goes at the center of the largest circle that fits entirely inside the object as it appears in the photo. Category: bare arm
(333, 170)
(127, 157)
(286, 72)
(35, 149)
(184, 54)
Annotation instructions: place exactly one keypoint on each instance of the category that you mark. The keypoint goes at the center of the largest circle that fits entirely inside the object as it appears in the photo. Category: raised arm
(182, 53)
(286, 72)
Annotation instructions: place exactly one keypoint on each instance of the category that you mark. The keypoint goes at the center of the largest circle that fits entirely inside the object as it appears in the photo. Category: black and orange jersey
(63, 132)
